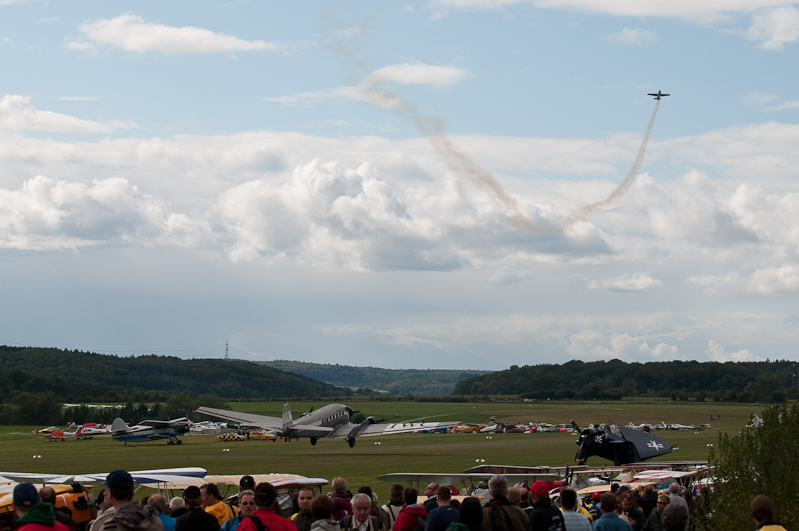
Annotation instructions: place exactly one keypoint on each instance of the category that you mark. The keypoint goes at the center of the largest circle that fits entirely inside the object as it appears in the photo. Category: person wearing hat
(545, 516)
(594, 509)
(33, 514)
(195, 519)
(500, 514)
(127, 514)
(245, 483)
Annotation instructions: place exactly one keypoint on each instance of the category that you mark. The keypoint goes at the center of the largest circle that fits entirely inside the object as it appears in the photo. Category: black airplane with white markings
(658, 95)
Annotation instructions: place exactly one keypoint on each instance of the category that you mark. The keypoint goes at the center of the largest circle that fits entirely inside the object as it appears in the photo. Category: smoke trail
(458, 162)
(581, 213)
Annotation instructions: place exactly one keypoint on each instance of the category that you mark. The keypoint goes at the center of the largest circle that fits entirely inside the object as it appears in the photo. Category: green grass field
(399, 453)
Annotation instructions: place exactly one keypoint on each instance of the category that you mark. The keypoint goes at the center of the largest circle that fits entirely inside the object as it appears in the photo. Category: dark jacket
(502, 515)
(647, 502)
(546, 517)
(654, 522)
(196, 519)
(302, 521)
(348, 523)
(134, 517)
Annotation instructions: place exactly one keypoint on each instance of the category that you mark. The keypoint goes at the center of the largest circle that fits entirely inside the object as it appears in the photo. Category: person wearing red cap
(545, 516)
(594, 509)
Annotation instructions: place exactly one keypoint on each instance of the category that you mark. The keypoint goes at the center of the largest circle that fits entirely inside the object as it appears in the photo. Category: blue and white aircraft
(150, 430)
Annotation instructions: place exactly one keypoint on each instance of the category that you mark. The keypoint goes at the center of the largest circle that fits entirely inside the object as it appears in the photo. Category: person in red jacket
(265, 495)
(412, 515)
(32, 513)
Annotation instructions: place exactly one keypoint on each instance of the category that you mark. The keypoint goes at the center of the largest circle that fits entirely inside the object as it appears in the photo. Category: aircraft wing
(451, 479)
(139, 476)
(302, 430)
(400, 427)
(647, 445)
(261, 421)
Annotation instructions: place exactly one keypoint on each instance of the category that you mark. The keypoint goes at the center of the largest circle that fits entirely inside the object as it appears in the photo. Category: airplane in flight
(658, 95)
(331, 421)
(150, 430)
(621, 445)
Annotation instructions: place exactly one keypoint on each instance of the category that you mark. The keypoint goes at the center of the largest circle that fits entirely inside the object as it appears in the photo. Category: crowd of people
(256, 508)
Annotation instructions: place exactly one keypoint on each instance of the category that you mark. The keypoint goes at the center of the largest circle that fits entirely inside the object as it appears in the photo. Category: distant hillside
(394, 381)
(87, 377)
(742, 381)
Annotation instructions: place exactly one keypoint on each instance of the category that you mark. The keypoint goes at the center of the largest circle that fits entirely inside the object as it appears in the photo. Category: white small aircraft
(331, 421)
(162, 475)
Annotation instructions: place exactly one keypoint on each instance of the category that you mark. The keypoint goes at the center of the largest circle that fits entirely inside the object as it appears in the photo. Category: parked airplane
(619, 444)
(150, 430)
(331, 421)
(90, 429)
(659, 95)
(61, 435)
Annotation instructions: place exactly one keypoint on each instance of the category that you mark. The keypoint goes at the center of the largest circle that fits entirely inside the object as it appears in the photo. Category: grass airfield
(398, 453)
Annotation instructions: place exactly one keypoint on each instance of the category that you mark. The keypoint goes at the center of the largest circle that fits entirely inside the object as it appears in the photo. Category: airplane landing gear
(313, 440)
(351, 440)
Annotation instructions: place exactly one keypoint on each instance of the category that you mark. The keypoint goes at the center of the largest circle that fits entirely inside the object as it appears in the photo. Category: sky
(432, 184)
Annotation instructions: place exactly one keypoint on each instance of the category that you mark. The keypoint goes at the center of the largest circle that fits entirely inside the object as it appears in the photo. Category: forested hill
(87, 377)
(394, 381)
(740, 381)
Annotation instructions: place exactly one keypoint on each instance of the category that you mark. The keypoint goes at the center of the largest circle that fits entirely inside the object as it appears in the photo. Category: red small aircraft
(60, 435)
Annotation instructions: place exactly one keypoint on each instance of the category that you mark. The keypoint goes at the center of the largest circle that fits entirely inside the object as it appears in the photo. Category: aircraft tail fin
(78, 431)
(119, 425)
(287, 419)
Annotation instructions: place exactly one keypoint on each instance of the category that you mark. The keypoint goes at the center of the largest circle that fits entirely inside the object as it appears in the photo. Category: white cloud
(783, 106)
(706, 10)
(717, 353)
(594, 344)
(46, 214)
(632, 36)
(131, 33)
(404, 73)
(17, 114)
(758, 98)
(775, 27)
(626, 282)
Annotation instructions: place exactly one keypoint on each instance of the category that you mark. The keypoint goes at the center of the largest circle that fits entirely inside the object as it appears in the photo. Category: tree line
(771, 381)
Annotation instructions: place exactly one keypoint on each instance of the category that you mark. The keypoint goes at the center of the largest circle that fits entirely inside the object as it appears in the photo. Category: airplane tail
(119, 425)
(287, 419)
(78, 431)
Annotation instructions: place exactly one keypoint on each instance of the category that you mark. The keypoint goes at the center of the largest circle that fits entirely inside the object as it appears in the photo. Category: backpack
(259, 525)
(420, 523)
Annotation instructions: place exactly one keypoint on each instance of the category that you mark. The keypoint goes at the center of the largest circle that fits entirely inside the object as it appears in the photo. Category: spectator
(212, 501)
(674, 517)
(676, 499)
(472, 515)
(594, 509)
(195, 519)
(443, 515)
(648, 500)
(629, 511)
(430, 492)
(500, 514)
(127, 513)
(246, 509)
(265, 496)
(515, 496)
(394, 505)
(572, 520)
(361, 518)
(303, 519)
(158, 502)
(177, 507)
(47, 495)
(31, 513)
(762, 511)
(544, 516)
(341, 497)
(412, 515)
(245, 483)
(610, 520)
(322, 508)
(655, 520)
(375, 510)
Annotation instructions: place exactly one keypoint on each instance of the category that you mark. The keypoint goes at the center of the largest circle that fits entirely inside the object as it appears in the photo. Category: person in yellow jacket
(212, 501)
(762, 511)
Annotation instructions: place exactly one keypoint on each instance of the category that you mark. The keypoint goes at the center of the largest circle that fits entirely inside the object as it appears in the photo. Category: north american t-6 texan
(658, 95)
(331, 421)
